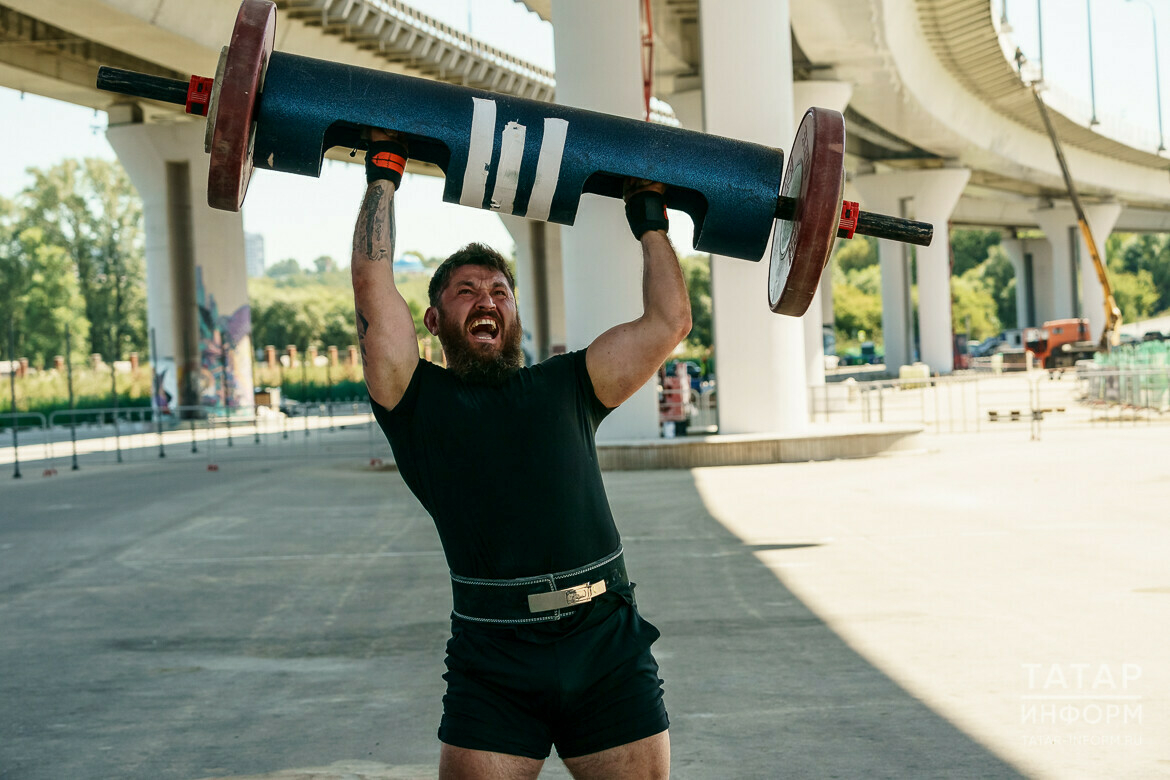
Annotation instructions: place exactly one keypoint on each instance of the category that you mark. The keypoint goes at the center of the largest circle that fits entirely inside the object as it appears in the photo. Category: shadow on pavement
(162, 621)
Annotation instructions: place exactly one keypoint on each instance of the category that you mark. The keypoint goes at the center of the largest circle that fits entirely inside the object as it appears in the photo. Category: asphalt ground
(971, 611)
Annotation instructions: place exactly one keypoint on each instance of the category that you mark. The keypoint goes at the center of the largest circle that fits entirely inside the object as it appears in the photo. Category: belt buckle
(565, 598)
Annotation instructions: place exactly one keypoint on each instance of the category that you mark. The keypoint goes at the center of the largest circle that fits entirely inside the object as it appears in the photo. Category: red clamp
(849, 212)
(198, 95)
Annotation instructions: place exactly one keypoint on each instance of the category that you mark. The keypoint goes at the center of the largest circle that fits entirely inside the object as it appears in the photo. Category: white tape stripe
(508, 172)
(548, 168)
(479, 152)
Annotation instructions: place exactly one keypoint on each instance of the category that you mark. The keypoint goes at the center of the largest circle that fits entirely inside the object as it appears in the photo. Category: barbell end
(906, 231)
(127, 82)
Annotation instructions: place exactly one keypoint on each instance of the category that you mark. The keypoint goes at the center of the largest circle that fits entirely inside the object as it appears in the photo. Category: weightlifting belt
(538, 599)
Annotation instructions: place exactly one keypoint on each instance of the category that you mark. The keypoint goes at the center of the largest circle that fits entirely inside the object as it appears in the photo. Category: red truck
(1060, 343)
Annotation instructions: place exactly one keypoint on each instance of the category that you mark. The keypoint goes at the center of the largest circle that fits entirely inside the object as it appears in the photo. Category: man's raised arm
(384, 326)
(624, 358)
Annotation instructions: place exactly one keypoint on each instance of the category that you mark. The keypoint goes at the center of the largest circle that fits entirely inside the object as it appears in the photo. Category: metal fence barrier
(76, 438)
(1010, 401)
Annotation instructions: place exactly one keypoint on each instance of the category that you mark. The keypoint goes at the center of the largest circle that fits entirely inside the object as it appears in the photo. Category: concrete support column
(1015, 249)
(599, 67)
(1101, 218)
(805, 95)
(1059, 224)
(196, 276)
(540, 284)
(929, 196)
(747, 94)
(1060, 227)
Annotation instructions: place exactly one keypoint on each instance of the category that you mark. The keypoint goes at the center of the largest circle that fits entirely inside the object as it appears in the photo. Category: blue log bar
(729, 188)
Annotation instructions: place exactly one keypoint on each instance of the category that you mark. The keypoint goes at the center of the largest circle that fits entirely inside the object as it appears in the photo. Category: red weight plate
(815, 178)
(243, 77)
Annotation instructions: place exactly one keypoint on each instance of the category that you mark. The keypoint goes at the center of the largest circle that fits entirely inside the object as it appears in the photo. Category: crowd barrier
(73, 439)
(1028, 401)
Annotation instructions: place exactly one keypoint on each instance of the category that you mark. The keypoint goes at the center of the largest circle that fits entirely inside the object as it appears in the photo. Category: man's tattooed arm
(373, 235)
(385, 329)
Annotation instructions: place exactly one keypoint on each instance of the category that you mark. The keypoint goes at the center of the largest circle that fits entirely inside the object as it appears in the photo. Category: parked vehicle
(1060, 343)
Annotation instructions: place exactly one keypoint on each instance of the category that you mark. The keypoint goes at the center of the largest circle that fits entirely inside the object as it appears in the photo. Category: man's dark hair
(472, 254)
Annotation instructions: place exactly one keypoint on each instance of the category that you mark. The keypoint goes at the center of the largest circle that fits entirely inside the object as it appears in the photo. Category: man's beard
(473, 366)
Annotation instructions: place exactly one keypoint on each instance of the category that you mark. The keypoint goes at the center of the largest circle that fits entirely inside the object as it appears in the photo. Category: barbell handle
(127, 82)
(869, 224)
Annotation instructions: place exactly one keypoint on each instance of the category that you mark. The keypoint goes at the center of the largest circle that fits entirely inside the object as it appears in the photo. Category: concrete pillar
(197, 296)
(599, 67)
(1059, 224)
(929, 196)
(1060, 227)
(1019, 252)
(1014, 250)
(748, 94)
(1101, 218)
(805, 95)
(540, 284)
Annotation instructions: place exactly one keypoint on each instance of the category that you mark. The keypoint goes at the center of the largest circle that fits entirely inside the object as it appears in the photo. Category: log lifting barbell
(517, 156)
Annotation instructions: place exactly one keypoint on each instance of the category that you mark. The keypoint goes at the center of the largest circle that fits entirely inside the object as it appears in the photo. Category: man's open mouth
(483, 329)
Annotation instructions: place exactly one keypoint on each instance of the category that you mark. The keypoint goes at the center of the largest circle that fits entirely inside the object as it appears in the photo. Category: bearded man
(547, 646)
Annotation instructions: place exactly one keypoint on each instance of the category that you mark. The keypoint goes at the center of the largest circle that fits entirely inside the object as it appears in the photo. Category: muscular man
(547, 646)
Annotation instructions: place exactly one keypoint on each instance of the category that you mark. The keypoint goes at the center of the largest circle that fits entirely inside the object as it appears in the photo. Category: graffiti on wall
(225, 351)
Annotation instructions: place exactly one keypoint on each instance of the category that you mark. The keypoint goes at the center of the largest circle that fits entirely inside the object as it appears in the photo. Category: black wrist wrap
(385, 161)
(645, 211)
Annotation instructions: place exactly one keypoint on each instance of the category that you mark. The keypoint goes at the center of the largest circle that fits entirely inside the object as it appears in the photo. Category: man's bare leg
(456, 763)
(646, 759)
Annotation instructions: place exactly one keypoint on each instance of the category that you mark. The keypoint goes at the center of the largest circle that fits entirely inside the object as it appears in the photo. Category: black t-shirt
(508, 472)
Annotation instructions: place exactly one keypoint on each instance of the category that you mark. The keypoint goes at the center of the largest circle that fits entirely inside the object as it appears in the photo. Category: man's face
(477, 324)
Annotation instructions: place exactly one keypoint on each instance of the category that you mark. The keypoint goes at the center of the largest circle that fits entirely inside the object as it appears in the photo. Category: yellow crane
(1111, 334)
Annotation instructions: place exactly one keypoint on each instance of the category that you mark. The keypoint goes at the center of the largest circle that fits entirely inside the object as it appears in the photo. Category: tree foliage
(39, 293)
(89, 210)
(286, 267)
(697, 273)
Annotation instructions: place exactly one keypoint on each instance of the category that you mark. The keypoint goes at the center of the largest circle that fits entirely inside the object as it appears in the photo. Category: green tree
(281, 323)
(697, 273)
(324, 264)
(286, 267)
(338, 328)
(858, 252)
(973, 307)
(1136, 295)
(39, 294)
(970, 248)
(1133, 253)
(89, 209)
(999, 278)
(1129, 265)
(855, 309)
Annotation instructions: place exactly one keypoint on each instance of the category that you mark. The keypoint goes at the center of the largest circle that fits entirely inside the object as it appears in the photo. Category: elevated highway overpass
(940, 127)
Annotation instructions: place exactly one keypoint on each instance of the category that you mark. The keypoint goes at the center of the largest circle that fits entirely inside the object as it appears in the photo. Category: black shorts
(585, 683)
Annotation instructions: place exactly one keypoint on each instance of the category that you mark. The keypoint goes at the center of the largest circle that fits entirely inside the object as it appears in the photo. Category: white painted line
(548, 168)
(479, 152)
(508, 171)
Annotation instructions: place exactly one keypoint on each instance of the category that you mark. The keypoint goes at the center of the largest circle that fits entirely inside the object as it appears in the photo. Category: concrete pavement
(893, 617)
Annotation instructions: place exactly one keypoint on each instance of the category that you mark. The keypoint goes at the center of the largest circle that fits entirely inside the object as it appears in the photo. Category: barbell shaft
(906, 231)
(127, 82)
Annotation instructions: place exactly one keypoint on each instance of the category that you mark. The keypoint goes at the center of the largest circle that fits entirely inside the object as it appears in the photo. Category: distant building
(410, 264)
(254, 254)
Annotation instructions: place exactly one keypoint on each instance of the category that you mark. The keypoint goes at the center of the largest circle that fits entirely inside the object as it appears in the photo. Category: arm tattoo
(363, 325)
(372, 228)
